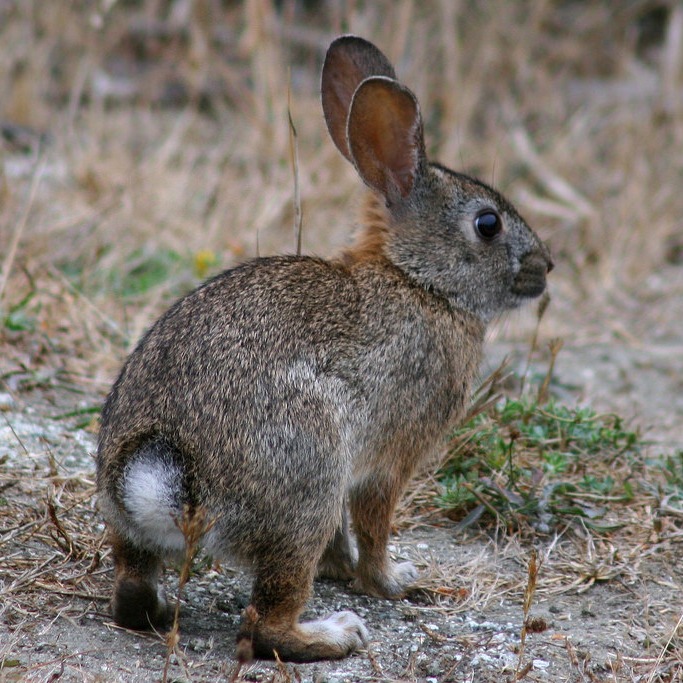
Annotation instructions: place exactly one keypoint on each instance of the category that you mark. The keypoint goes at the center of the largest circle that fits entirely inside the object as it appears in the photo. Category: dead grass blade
(193, 525)
(533, 568)
(557, 186)
(665, 649)
(11, 253)
(294, 155)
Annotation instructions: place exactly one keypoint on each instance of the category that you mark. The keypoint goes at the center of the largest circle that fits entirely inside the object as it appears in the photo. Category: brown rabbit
(282, 389)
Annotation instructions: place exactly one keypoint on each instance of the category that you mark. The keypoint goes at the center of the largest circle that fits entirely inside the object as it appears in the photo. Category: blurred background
(145, 145)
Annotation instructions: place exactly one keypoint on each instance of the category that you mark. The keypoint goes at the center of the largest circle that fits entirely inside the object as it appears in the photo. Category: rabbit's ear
(349, 61)
(385, 137)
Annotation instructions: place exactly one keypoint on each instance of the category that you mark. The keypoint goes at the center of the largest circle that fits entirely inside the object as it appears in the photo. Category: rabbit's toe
(404, 574)
(343, 631)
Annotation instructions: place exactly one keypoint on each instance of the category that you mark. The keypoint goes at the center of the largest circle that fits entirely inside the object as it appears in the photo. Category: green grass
(670, 488)
(145, 270)
(21, 317)
(542, 466)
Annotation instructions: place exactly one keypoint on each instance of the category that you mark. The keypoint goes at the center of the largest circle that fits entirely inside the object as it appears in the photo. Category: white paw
(345, 629)
(404, 574)
(392, 584)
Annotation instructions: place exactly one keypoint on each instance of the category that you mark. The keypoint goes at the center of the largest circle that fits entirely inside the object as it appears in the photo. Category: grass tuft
(539, 465)
(193, 525)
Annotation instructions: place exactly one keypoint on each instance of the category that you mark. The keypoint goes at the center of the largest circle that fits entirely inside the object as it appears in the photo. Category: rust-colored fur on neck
(372, 234)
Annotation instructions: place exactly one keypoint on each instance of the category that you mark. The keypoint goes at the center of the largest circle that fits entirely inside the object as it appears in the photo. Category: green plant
(20, 317)
(146, 271)
(539, 465)
(142, 271)
(672, 486)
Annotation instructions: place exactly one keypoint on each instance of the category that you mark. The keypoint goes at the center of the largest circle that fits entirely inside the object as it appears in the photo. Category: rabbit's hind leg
(278, 597)
(340, 558)
(138, 602)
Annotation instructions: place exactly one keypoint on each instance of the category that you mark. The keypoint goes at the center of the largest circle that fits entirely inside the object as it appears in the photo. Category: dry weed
(193, 525)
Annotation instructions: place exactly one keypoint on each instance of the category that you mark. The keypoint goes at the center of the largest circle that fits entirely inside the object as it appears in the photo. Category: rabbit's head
(451, 233)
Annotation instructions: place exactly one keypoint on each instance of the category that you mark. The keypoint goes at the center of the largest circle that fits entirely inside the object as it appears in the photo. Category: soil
(611, 620)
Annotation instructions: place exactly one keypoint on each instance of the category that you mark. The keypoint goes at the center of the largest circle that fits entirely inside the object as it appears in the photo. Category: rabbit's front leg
(372, 502)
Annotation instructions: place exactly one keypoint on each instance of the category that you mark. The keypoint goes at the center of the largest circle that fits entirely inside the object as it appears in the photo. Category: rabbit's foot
(338, 568)
(139, 605)
(334, 637)
(138, 602)
(391, 583)
(344, 631)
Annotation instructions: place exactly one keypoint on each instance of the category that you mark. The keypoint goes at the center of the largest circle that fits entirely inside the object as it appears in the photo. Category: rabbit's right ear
(385, 137)
(349, 61)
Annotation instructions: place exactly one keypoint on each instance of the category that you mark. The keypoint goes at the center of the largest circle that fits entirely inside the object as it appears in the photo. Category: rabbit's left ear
(349, 61)
(385, 137)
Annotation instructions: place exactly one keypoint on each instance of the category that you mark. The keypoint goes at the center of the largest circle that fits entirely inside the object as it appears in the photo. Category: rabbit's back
(273, 381)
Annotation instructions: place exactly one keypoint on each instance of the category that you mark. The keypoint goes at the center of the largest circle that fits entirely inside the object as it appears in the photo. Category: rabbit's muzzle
(530, 281)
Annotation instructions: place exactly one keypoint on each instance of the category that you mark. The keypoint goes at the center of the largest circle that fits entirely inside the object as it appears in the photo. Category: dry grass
(50, 550)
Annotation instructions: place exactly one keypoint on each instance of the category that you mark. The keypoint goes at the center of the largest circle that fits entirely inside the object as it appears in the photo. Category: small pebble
(198, 644)
(7, 401)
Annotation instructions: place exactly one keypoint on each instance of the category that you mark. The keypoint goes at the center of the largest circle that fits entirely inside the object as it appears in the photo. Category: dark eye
(488, 225)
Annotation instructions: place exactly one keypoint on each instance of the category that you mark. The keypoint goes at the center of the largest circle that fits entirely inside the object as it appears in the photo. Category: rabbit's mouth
(530, 281)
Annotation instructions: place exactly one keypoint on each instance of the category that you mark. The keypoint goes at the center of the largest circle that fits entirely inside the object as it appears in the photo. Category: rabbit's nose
(551, 264)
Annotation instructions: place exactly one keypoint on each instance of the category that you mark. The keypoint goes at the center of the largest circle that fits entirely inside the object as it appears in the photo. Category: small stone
(7, 401)
(434, 668)
(198, 644)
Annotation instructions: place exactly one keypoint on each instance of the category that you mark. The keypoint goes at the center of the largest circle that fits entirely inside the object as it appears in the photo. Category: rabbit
(290, 391)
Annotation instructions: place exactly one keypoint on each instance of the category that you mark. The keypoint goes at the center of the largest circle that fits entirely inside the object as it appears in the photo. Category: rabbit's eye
(487, 225)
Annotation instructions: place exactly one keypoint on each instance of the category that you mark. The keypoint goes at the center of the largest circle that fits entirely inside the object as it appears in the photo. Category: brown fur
(371, 239)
